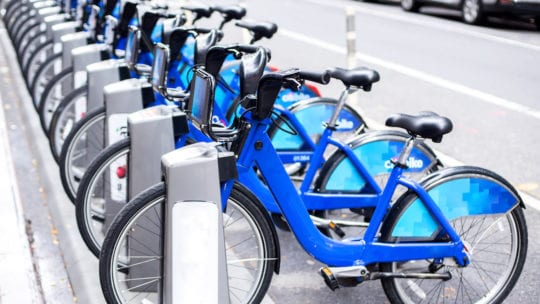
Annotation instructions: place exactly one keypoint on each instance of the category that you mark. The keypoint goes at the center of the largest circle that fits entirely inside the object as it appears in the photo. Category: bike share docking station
(122, 98)
(99, 75)
(152, 132)
(194, 258)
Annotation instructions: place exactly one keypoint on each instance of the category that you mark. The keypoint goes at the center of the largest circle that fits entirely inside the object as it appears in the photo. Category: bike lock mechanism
(195, 265)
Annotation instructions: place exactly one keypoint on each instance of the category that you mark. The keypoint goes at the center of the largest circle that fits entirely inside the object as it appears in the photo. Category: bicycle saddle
(359, 77)
(259, 29)
(424, 124)
(230, 12)
(200, 11)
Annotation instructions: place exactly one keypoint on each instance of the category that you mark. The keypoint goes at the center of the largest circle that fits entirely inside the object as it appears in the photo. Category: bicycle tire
(46, 72)
(52, 94)
(489, 279)
(242, 202)
(16, 16)
(91, 194)
(30, 67)
(29, 32)
(25, 50)
(11, 8)
(23, 26)
(73, 165)
(64, 119)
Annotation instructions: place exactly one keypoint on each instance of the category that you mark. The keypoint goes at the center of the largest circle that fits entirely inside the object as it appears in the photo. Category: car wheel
(472, 11)
(410, 5)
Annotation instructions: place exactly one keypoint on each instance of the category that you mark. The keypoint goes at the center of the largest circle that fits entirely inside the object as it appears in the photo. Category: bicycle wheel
(374, 149)
(496, 243)
(28, 47)
(81, 146)
(51, 90)
(26, 34)
(70, 110)
(20, 12)
(23, 29)
(44, 76)
(252, 249)
(36, 59)
(11, 9)
(103, 184)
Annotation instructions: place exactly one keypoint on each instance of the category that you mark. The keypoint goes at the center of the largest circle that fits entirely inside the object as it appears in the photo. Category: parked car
(475, 11)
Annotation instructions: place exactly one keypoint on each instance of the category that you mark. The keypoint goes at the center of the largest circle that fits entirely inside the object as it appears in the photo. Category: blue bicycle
(458, 235)
(72, 168)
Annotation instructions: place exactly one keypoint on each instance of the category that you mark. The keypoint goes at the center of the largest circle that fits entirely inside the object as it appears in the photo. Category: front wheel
(36, 59)
(53, 91)
(104, 185)
(67, 114)
(130, 264)
(81, 146)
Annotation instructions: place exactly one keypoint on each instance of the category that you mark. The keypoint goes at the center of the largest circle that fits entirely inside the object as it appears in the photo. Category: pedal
(337, 230)
(336, 277)
(329, 278)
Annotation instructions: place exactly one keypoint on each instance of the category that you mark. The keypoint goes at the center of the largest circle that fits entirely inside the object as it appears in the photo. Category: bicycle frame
(258, 151)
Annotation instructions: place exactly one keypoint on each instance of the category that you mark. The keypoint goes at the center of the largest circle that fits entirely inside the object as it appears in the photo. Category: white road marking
(435, 80)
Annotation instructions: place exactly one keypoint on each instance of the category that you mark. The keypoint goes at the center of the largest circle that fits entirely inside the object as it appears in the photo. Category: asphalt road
(484, 78)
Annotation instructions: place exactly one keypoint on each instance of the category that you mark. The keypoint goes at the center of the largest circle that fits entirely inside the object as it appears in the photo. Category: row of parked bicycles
(117, 84)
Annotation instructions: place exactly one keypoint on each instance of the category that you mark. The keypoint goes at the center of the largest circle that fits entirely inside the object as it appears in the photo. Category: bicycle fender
(375, 151)
(458, 192)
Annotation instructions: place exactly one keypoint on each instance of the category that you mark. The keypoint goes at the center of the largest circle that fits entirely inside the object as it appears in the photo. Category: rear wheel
(82, 145)
(498, 251)
(131, 261)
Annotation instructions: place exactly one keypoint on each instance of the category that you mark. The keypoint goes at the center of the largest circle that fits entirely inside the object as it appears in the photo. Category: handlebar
(271, 83)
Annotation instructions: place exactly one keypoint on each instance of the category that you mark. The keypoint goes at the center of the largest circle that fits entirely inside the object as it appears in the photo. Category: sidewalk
(18, 282)
(42, 257)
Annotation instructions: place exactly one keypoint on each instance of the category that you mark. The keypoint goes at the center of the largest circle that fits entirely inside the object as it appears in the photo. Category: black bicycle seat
(259, 29)
(424, 124)
(202, 11)
(231, 12)
(359, 77)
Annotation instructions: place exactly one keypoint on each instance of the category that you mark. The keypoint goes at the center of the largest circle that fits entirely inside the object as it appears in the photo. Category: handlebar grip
(318, 77)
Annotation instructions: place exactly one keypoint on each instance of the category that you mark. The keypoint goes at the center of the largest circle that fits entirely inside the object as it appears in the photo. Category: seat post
(341, 103)
(406, 152)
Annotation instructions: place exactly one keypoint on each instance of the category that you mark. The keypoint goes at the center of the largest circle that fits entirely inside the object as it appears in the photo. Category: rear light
(506, 1)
